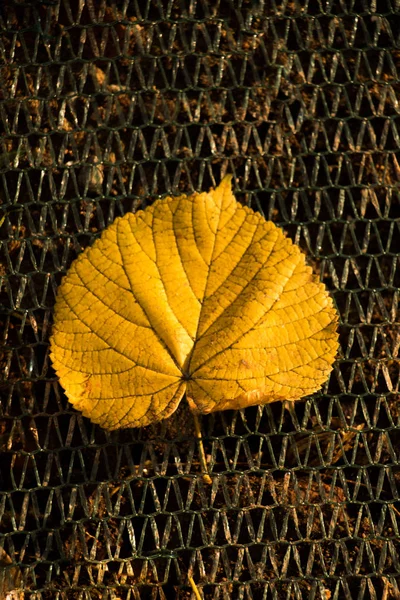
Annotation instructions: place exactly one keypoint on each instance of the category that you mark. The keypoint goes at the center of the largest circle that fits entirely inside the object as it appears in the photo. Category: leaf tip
(226, 185)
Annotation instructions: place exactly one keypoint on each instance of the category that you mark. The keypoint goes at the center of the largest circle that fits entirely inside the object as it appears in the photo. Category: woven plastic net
(106, 105)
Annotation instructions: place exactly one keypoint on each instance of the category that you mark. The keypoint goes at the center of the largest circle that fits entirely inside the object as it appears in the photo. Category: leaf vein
(255, 324)
(163, 344)
(107, 342)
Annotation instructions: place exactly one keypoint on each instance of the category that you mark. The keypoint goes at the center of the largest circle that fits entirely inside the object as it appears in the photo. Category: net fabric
(106, 106)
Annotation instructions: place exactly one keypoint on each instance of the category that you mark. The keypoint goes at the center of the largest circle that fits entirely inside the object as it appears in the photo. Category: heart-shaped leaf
(195, 294)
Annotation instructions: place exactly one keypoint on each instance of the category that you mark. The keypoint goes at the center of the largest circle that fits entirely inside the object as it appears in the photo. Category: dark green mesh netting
(106, 105)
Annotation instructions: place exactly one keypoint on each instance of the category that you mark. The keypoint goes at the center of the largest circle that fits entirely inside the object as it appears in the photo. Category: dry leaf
(195, 294)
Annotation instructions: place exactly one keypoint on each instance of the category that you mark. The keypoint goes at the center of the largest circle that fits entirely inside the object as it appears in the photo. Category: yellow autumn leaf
(194, 294)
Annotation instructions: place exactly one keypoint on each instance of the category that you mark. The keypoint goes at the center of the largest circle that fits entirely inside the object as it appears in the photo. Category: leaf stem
(202, 456)
(194, 587)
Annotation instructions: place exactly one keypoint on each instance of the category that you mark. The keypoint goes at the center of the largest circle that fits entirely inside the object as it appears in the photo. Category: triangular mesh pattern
(106, 105)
